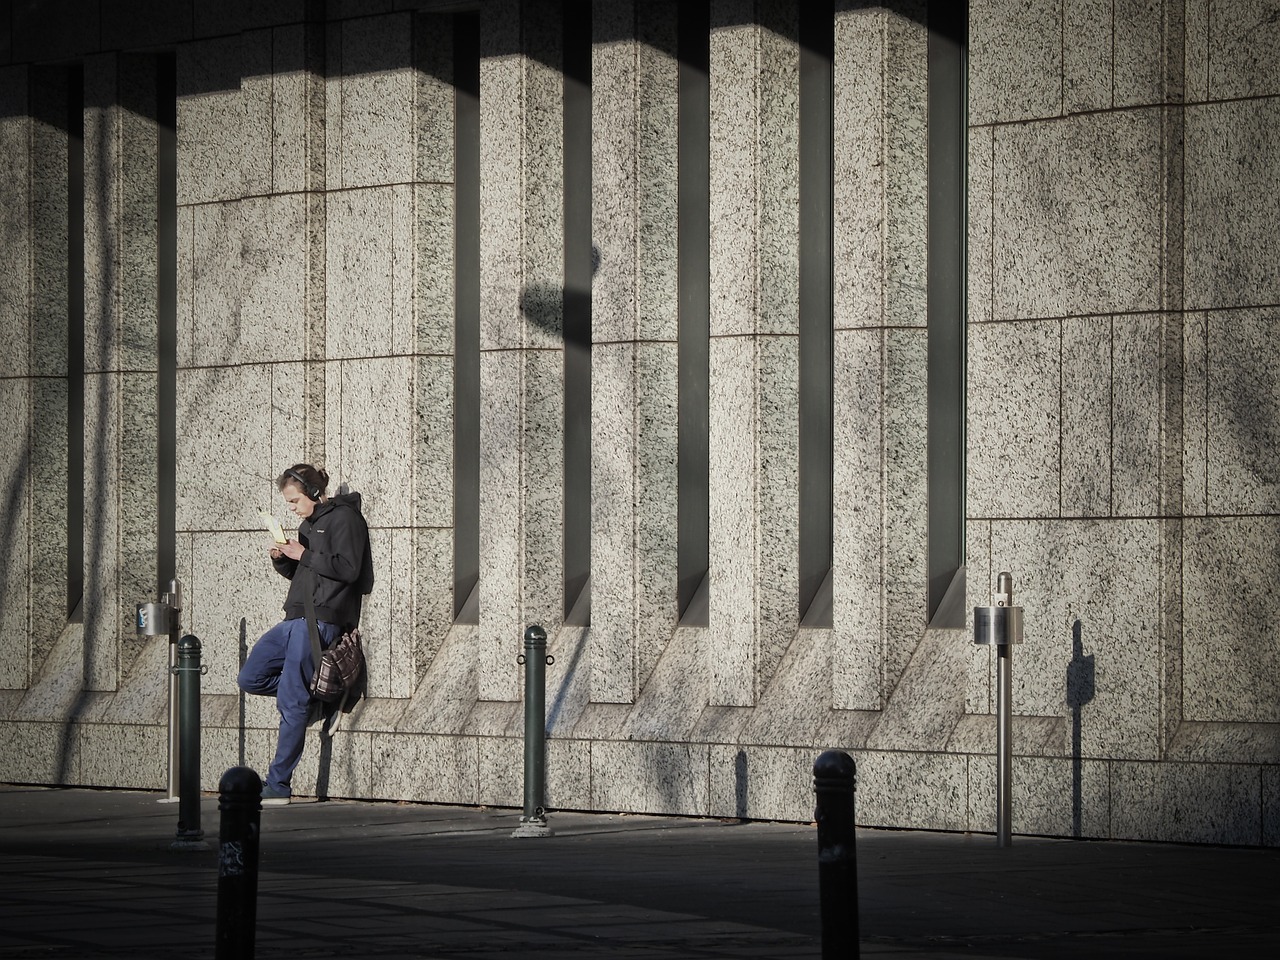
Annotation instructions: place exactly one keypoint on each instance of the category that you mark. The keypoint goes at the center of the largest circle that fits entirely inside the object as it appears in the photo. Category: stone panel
(1105, 575)
(122, 756)
(1053, 797)
(1014, 419)
(1078, 229)
(1087, 405)
(426, 768)
(231, 579)
(15, 553)
(906, 175)
(256, 84)
(1185, 803)
(1088, 55)
(762, 783)
(1015, 60)
(857, 568)
(297, 108)
(212, 119)
(668, 777)
(905, 497)
(1149, 51)
(1031, 258)
(1231, 204)
(979, 582)
(1195, 414)
(370, 415)
(921, 790)
(103, 621)
(1137, 415)
(36, 753)
(378, 132)
(980, 283)
(1113, 168)
(433, 270)
(15, 225)
(48, 507)
(387, 621)
(1243, 412)
(370, 263)
(859, 167)
(225, 446)
(1242, 49)
(1231, 666)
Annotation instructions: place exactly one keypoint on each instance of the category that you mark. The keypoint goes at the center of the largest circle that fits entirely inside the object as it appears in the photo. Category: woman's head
(302, 487)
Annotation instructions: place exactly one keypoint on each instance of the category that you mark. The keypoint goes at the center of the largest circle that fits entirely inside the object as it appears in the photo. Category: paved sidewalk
(89, 874)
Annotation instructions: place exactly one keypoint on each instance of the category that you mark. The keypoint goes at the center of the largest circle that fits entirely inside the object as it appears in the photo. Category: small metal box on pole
(1001, 626)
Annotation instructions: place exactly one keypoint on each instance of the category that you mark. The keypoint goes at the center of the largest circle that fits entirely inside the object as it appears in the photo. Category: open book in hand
(273, 527)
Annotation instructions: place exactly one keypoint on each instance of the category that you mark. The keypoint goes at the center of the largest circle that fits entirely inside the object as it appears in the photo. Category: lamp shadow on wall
(1081, 689)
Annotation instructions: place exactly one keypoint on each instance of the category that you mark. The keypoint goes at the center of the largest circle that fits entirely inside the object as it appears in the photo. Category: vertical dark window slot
(947, 148)
(817, 41)
(694, 266)
(167, 316)
(578, 261)
(75, 338)
(466, 353)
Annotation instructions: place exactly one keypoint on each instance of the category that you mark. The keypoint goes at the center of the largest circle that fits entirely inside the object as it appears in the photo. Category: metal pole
(1000, 626)
(174, 599)
(1004, 745)
(189, 670)
(239, 802)
(1004, 722)
(835, 780)
(534, 821)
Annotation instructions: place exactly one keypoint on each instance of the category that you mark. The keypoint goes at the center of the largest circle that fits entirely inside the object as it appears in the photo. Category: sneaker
(274, 798)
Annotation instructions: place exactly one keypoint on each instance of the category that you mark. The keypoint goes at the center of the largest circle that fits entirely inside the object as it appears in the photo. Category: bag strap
(309, 603)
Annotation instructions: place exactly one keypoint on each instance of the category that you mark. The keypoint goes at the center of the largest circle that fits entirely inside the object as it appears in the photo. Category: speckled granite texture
(1120, 358)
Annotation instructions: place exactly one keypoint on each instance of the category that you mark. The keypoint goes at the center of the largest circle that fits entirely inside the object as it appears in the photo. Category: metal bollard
(1001, 627)
(188, 671)
(835, 781)
(163, 618)
(240, 805)
(534, 821)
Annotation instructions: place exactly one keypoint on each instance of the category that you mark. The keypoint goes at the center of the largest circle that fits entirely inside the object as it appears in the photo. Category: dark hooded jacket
(336, 538)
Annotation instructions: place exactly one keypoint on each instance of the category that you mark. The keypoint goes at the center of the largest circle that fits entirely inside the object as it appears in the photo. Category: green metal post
(188, 670)
(534, 821)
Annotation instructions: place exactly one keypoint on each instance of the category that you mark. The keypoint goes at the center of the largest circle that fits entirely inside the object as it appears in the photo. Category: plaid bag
(339, 669)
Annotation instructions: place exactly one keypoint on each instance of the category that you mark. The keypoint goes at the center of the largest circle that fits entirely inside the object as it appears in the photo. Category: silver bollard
(1001, 626)
(159, 619)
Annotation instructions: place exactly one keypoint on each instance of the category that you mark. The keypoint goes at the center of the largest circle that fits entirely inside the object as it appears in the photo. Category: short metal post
(240, 806)
(534, 821)
(835, 780)
(1001, 626)
(188, 671)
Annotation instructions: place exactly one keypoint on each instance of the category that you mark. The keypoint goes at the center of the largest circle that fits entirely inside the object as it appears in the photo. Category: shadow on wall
(1080, 690)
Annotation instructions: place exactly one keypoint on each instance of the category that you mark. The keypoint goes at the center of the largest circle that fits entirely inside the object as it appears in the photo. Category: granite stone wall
(1121, 402)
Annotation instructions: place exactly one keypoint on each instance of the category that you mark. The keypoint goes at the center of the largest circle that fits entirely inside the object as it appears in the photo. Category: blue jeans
(280, 665)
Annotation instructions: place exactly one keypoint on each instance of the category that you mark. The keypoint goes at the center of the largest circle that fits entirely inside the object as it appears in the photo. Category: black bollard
(534, 821)
(188, 670)
(240, 804)
(835, 779)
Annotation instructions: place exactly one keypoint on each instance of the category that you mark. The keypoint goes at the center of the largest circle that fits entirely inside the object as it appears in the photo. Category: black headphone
(310, 489)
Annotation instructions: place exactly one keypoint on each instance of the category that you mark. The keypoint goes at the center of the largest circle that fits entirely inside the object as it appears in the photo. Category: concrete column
(120, 357)
(522, 350)
(634, 358)
(878, 577)
(15, 372)
(754, 351)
